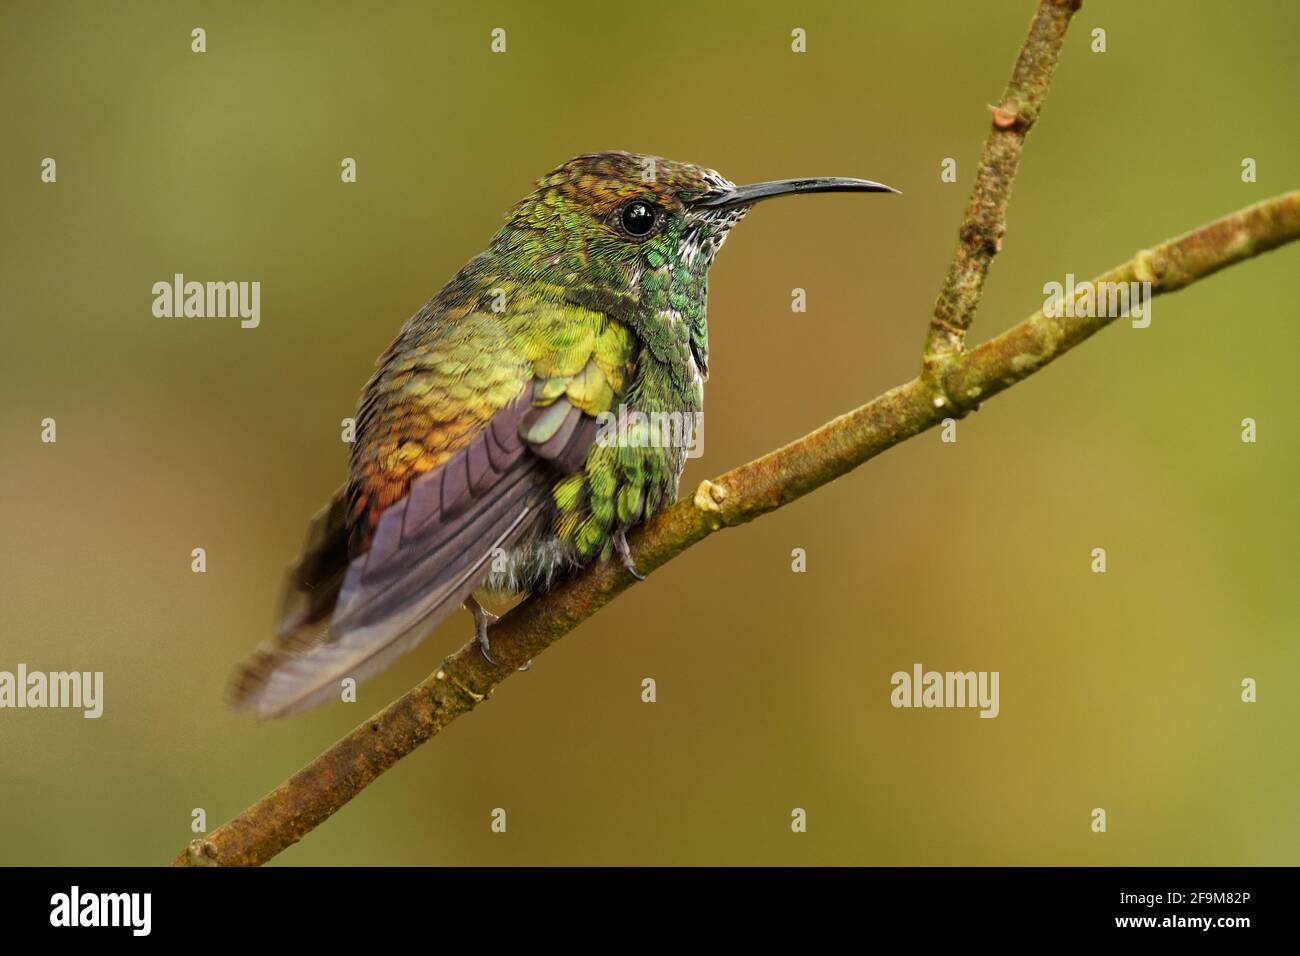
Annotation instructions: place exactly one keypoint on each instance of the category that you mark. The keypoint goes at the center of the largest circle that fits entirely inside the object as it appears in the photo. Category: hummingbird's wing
(433, 545)
(311, 585)
(430, 551)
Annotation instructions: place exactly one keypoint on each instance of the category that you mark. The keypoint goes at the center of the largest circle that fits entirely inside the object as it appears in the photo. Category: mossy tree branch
(953, 382)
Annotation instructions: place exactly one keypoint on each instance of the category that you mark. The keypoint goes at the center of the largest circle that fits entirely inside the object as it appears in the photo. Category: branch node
(709, 496)
(201, 853)
(1011, 116)
(474, 697)
(1144, 267)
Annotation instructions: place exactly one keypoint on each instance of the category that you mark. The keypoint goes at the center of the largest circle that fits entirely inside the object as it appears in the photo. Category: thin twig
(980, 236)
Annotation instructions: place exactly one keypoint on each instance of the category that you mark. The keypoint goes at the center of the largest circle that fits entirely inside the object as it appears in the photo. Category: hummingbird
(480, 465)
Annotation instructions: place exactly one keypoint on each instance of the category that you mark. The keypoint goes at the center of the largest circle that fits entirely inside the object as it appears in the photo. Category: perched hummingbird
(476, 465)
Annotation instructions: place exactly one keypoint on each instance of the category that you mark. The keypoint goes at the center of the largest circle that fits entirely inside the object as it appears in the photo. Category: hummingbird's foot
(482, 619)
(625, 555)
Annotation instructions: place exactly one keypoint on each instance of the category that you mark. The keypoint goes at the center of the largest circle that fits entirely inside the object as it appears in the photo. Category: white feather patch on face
(704, 235)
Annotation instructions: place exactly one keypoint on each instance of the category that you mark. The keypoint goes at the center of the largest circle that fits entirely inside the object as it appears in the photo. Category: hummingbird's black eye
(637, 218)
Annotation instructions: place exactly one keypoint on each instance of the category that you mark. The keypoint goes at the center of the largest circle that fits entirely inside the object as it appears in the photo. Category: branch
(980, 236)
(465, 679)
(952, 383)
(1022, 350)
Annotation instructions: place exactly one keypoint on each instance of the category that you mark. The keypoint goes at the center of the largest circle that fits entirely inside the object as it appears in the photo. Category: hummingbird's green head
(633, 236)
(613, 219)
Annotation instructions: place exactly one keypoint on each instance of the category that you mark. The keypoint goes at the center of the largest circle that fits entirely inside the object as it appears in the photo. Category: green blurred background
(1118, 691)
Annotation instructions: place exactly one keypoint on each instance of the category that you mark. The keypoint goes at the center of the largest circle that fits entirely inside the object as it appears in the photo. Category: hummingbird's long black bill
(757, 192)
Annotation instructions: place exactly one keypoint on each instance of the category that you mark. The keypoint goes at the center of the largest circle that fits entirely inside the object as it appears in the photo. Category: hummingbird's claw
(482, 618)
(625, 555)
